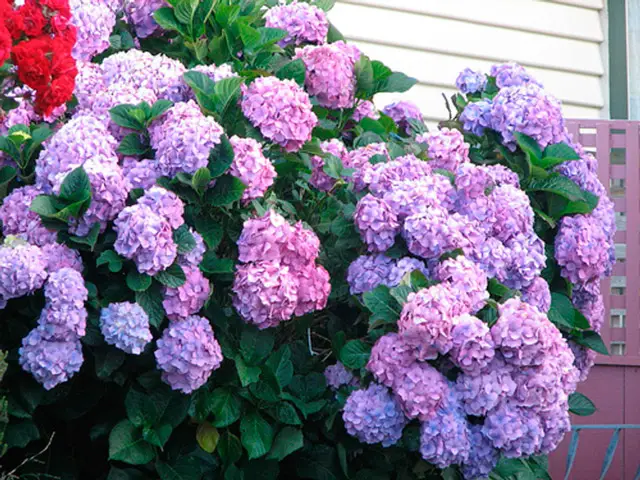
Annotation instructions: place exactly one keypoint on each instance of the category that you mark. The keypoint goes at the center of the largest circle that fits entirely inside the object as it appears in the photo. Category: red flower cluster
(40, 38)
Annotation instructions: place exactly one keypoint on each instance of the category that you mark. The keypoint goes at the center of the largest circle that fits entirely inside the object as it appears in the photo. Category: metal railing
(611, 449)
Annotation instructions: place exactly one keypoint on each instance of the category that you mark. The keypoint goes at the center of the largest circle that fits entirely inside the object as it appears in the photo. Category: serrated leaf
(592, 340)
(287, 441)
(210, 230)
(229, 448)
(159, 108)
(127, 445)
(138, 282)
(213, 265)
(201, 180)
(151, 302)
(563, 313)
(556, 154)
(127, 117)
(280, 365)
(333, 166)
(397, 82)
(227, 91)
(226, 191)
(76, 186)
(183, 238)
(581, 405)
(256, 435)
(172, 277)
(246, 373)
(221, 157)
(355, 354)
(383, 307)
(225, 406)
(286, 413)
(131, 145)
(256, 345)
(294, 70)
(529, 146)
(167, 20)
(111, 259)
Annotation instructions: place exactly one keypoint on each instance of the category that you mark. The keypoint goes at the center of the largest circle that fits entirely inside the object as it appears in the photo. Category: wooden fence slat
(632, 192)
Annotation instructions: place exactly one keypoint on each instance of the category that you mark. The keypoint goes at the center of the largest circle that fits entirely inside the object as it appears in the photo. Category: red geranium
(5, 44)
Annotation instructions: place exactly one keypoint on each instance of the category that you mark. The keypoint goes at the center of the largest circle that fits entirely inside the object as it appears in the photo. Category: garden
(220, 259)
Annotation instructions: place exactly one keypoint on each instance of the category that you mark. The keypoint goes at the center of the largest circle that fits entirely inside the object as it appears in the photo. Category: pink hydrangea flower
(189, 298)
(251, 167)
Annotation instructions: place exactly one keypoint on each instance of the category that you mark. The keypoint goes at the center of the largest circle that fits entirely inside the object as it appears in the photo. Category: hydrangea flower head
(314, 288)
(481, 392)
(164, 203)
(264, 238)
(470, 81)
(476, 116)
(17, 218)
(94, 22)
(60, 256)
(516, 431)
(303, 22)
(447, 148)
(538, 295)
(444, 438)
(483, 456)
(368, 272)
(126, 326)
(319, 179)
(140, 173)
(390, 357)
(251, 167)
(190, 297)
(365, 109)
(402, 112)
(512, 75)
(473, 348)
(281, 110)
(337, 376)
(421, 390)
(434, 232)
(377, 223)
(374, 416)
(467, 279)
(22, 270)
(188, 353)
(195, 256)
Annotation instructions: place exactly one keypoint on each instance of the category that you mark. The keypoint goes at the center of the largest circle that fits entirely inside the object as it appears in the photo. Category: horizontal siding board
(442, 70)
(594, 4)
(547, 18)
(441, 35)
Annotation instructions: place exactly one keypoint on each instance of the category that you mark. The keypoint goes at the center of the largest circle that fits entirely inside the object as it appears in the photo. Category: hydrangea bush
(221, 260)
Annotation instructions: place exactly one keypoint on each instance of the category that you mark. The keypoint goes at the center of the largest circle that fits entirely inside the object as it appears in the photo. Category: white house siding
(560, 42)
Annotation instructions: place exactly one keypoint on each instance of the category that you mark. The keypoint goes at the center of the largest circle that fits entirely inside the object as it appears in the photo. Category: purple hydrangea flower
(146, 238)
(377, 223)
(359, 160)
(94, 22)
(402, 112)
(492, 256)
(481, 392)
(411, 197)
(588, 299)
(89, 84)
(195, 256)
(331, 74)
(473, 348)
(186, 148)
(470, 81)
(50, 362)
(302, 247)
(303, 22)
(538, 294)
(60, 256)
(483, 456)
(447, 149)
(140, 15)
(126, 326)
(527, 259)
(189, 298)
(374, 416)
(421, 390)
(216, 72)
(402, 267)
(516, 431)
(444, 438)
(164, 203)
(368, 272)
(265, 293)
(281, 110)
(434, 232)
(365, 109)
(510, 213)
(527, 109)
(337, 376)
(140, 173)
(382, 177)
(539, 388)
(17, 218)
(22, 270)
(472, 182)
(476, 117)
(319, 179)
(467, 279)
(66, 288)
(585, 359)
(390, 357)
(581, 249)
(512, 75)
(187, 353)
(314, 288)
(64, 316)
(555, 423)
(251, 167)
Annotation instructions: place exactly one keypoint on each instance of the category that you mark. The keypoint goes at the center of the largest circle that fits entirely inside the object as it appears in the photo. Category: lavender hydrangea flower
(476, 117)
(483, 456)
(126, 326)
(195, 256)
(337, 376)
(365, 109)
(374, 416)
(303, 22)
(89, 84)
(140, 173)
(251, 167)
(66, 288)
(512, 75)
(187, 353)
(189, 298)
(216, 72)
(585, 359)
(368, 272)
(447, 149)
(146, 238)
(516, 431)
(555, 423)
(382, 177)
(359, 160)
(281, 110)
(94, 22)
(470, 81)
(265, 293)
(412, 197)
(529, 110)
(390, 357)
(331, 74)
(377, 223)
(140, 15)
(434, 232)
(467, 279)
(17, 218)
(402, 112)
(492, 256)
(588, 299)
(64, 316)
(313, 289)
(319, 179)
(473, 348)
(22, 270)
(166, 204)
(421, 391)
(50, 362)
(60, 256)
(192, 137)
(511, 213)
(481, 392)
(527, 259)
(444, 438)
(538, 295)
(402, 267)
(581, 249)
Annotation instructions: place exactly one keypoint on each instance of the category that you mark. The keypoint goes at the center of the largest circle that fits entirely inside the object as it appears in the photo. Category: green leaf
(172, 277)
(287, 441)
(107, 361)
(593, 341)
(383, 307)
(199, 82)
(334, 35)
(157, 435)
(151, 302)
(201, 180)
(125, 474)
(90, 239)
(333, 166)
(6, 175)
(76, 186)
(167, 20)
(127, 117)
(280, 365)
(364, 77)
(210, 230)
(560, 185)
(355, 354)
(221, 157)
(294, 70)
(325, 5)
(225, 406)
(111, 259)
(207, 437)
(256, 345)
(184, 468)
(159, 108)
(286, 413)
(131, 145)
(183, 238)
(213, 265)
(141, 410)
(270, 36)
(250, 36)
(185, 10)
(556, 154)
(229, 448)
(20, 434)
(319, 462)
(127, 445)
(580, 405)
(398, 82)
(563, 313)
(227, 92)
(227, 190)
(138, 282)
(530, 147)
(256, 435)
(247, 374)
(401, 293)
